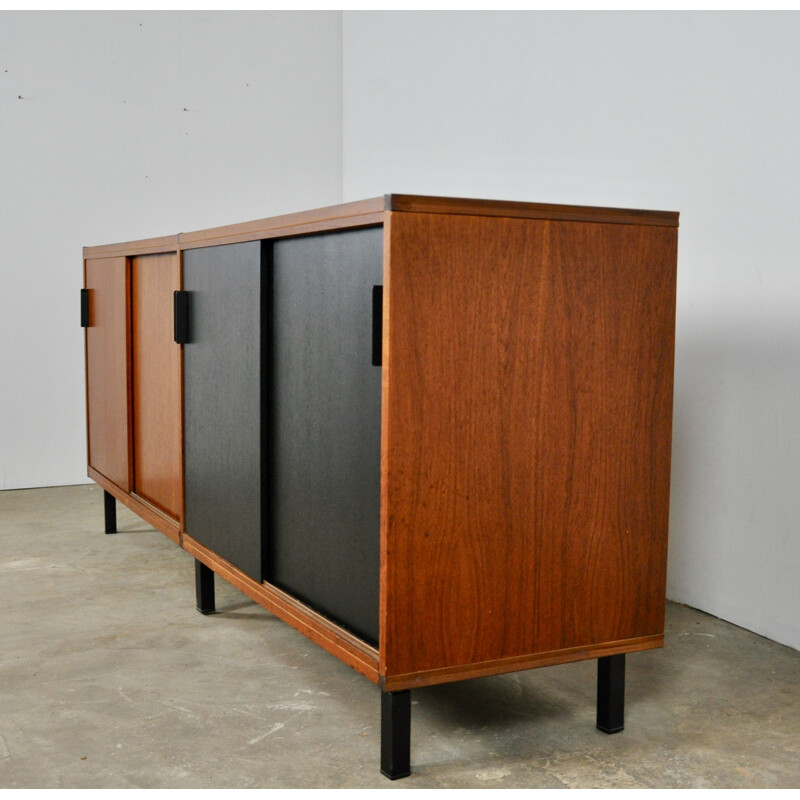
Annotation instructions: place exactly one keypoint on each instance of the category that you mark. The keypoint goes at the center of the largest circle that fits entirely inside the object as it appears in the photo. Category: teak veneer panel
(108, 369)
(156, 361)
(527, 419)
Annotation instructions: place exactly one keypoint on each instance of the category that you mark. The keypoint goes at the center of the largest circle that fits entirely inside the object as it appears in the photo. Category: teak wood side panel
(156, 359)
(526, 437)
(108, 369)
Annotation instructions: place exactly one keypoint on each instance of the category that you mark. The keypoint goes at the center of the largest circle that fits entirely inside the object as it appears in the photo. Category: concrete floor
(109, 678)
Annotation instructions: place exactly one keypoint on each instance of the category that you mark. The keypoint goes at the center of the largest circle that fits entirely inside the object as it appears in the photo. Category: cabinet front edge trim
(271, 228)
(338, 642)
(162, 244)
(510, 208)
(166, 525)
(517, 663)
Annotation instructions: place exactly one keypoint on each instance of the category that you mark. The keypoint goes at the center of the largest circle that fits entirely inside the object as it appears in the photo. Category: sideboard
(431, 434)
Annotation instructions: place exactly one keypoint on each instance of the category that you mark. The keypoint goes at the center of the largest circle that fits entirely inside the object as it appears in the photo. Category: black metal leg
(110, 507)
(204, 584)
(611, 693)
(396, 734)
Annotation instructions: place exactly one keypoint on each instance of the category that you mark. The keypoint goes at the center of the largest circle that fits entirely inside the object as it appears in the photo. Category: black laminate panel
(223, 402)
(324, 465)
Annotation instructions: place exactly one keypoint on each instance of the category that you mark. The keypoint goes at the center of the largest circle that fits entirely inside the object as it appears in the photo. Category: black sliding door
(324, 428)
(223, 401)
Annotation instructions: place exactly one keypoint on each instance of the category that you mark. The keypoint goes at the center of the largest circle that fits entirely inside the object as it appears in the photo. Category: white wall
(697, 113)
(133, 125)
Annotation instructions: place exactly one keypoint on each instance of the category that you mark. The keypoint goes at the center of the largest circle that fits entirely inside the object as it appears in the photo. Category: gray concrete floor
(109, 678)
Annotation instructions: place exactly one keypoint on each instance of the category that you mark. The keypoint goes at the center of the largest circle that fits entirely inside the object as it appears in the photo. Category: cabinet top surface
(513, 208)
(373, 212)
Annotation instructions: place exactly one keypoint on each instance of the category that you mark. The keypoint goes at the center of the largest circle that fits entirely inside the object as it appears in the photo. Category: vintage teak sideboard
(432, 435)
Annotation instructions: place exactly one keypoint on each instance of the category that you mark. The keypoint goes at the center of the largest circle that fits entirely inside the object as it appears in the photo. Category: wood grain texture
(340, 643)
(108, 369)
(156, 360)
(526, 437)
(149, 513)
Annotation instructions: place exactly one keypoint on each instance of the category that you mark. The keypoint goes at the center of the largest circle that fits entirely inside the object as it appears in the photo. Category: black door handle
(84, 308)
(181, 317)
(377, 326)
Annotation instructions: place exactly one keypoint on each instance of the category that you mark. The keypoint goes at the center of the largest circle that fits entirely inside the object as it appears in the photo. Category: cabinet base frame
(395, 702)
(338, 642)
(346, 647)
(169, 527)
(395, 683)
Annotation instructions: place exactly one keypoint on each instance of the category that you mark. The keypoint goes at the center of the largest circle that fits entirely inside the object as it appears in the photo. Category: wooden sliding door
(156, 375)
(108, 369)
